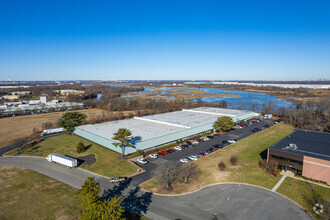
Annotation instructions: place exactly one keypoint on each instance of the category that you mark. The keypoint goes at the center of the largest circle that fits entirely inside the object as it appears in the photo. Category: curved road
(225, 201)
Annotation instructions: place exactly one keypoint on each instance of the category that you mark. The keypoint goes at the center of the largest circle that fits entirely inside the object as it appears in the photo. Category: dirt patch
(87, 160)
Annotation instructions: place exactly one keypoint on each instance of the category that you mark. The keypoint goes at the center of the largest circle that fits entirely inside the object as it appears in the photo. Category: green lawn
(108, 163)
(293, 188)
(25, 194)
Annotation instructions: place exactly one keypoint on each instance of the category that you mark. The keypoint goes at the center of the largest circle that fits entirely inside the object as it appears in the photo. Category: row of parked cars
(266, 126)
(176, 148)
(240, 126)
(206, 152)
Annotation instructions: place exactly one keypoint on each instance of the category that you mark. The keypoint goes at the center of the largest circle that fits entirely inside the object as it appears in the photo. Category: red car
(160, 154)
(212, 149)
(164, 152)
(201, 153)
(170, 151)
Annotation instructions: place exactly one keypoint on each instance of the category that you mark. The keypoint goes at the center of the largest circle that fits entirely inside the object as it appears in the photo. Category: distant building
(70, 92)
(304, 152)
(43, 99)
(11, 97)
(21, 92)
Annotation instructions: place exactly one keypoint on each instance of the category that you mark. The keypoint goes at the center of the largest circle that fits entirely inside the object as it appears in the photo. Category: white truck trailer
(61, 159)
(52, 131)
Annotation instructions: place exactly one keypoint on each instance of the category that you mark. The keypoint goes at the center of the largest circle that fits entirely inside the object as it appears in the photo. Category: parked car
(184, 146)
(199, 140)
(232, 141)
(210, 136)
(206, 152)
(184, 160)
(225, 143)
(154, 156)
(170, 151)
(117, 179)
(177, 148)
(161, 154)
(255, 129)
(202, 153)
(199, 155)
(193, 157)
(237, 127)
(216, 135)
(192, 142)
(205, 139)
(164, 152)
(212, 149)
(143, 161)
(218, 146)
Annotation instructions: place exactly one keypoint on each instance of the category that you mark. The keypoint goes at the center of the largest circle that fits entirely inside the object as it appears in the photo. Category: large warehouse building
(304, 152)
(156, 130)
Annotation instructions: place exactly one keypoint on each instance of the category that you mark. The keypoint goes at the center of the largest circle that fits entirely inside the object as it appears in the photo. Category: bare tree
(188, 171)
(233, 160)
(169, 176)
(19, 142)
(222, 166)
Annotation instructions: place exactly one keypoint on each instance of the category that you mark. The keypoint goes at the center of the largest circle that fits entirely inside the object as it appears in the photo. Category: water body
(246, 98)
(98, 96)
(245, 101)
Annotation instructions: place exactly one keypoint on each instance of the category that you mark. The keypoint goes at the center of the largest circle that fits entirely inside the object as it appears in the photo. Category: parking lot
(154, 167)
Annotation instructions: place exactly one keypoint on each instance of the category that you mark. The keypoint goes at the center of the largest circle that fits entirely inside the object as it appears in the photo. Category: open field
(25, 194)
(108, 163)
(179, 94)
(12, 128)
(293, 189)
(246, 171)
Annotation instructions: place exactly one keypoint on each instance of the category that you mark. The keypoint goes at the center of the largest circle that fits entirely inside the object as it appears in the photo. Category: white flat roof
(154, 126)
(142, 129)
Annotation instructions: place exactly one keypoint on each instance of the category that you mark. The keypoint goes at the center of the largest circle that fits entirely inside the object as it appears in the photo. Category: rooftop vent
(291, 146)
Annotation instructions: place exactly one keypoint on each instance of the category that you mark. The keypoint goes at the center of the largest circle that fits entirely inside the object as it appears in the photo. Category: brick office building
(304, 152)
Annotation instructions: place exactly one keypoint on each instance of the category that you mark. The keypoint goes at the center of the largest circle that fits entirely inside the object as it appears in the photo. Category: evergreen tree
(70, 120)
(93, 205)
(224, 123)
(123, 137)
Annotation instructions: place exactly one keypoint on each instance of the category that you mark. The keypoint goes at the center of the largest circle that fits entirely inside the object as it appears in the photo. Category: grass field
(293, 188)
(12, 128)
(246, 171)
(108, 163)
(25, 194)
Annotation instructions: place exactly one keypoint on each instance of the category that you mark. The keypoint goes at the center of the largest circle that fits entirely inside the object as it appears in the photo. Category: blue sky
(172, 39)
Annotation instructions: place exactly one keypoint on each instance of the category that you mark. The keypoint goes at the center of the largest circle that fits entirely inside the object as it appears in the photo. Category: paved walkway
(278, 183)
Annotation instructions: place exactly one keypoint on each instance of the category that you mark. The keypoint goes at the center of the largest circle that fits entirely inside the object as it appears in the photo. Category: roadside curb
(228, 183)
(24, 156)
(95, 174)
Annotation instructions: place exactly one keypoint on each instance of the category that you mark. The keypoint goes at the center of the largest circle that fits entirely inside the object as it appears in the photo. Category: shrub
(222, 166)
(233, 160)
(136, 154)
(81, 147)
